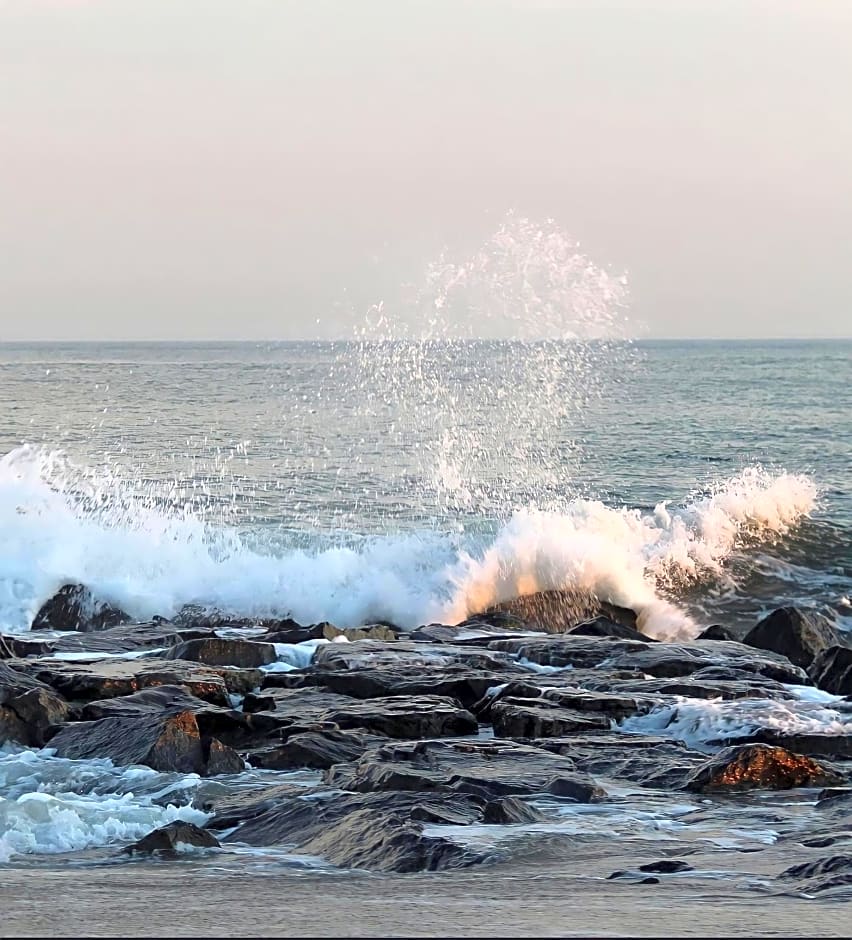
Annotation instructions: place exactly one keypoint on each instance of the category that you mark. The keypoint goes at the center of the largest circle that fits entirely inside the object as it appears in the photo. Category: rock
(74, 607)
(800, 635)
(828, 746)
(717, 632)
(486, 769)
(374, 831)
(221, 759)
(126, 638)
(822, 866)
(603, 626)
(510, 810)
(19, 647)
(398, 716)
(663, 660)
(667, 866)
(539, 718)
(28, 708)
(316, 749)
(213, 651)
(831, 670)
(558, 611)
(115, 677)
(169, 839)
(760, 766)
(408, 656)
(168, 743)
(376, 631)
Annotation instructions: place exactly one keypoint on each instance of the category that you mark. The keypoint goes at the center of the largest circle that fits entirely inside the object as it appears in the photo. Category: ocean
(355, 482)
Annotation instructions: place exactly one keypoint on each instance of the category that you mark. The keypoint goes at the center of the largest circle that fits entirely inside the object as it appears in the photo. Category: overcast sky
(245, 169)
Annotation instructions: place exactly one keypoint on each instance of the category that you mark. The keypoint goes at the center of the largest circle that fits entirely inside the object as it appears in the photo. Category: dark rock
(115, 677)
(760, 766)
(168, 839)
(377, 631)
(127, 638)
(540, 718)
(828, 746)
(28, 708)
(831, 670)
(316, 749)
(221, 759)
(403, 655)
(822, 866)
(398, 716)
(375, 831)
(214, 651)
(717, 632)
(19, 647)
(667, 866)
(662, 660)
(169, 743)
(558, 611)
(487, 769)
(800, 635)
(74, 607)
(603, 626)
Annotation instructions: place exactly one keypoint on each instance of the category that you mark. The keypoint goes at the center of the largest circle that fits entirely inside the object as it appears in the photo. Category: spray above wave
(148, 561)
(554, 333)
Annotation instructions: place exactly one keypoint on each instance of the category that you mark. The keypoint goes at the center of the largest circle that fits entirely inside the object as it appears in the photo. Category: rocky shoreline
(427, 745)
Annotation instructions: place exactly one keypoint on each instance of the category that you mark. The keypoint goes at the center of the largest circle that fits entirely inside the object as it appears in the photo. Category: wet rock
(214, 651)
(822, 866)
(168, 840)
(221, 759)
(168, 743)
(376, 631)
(558, 611)
(540, 718)
(647, 760)
(375, 831)
(74, 607)
(465, 685)
(19, 647)
(487, 769)
(316, 749)
(403, 655)
(603, 626)
(662, 660)
(800, 635)
(717, 632)
(395, 716)
(828, 746)
(511, 810)
(473, 632)
(831, 670)
(667, 866)
(127, 638)
(106, 679)
(28, 708)
(760, 766)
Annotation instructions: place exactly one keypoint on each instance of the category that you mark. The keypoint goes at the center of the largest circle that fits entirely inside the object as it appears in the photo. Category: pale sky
(240, 169)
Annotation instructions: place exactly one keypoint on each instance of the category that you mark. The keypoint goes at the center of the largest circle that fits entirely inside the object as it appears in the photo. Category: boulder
(539, 718)
(831, 670)
(74, 607)
(28, 708)
(603, 626)
(169, 840)
(316, 749)
(717, 632)
(800, 635)
(760, 766)
(214, 651)
(559, 611)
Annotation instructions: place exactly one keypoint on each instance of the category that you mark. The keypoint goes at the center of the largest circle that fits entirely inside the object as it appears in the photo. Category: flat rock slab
(486, 769)
(216, 651)
(318, 750)
(375, 831)
(106, 679)
(375, 654)
(395, 716)
(660, 660)
(541, 718)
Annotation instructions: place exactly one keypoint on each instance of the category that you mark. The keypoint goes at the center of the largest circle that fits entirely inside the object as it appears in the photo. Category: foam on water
(52, 805)
(701, 722)
(62, 525)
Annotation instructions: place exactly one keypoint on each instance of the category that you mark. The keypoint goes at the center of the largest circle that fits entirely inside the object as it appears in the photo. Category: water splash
(552, 333)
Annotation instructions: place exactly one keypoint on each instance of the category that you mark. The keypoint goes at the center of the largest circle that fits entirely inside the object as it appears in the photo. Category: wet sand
(188, 898)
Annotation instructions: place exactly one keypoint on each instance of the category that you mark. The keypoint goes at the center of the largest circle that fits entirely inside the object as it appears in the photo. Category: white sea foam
(52, 805)
(699, 722)
(60, 528)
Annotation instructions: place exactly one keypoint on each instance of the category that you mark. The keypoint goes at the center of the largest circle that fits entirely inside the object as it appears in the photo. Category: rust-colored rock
(760, 766)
